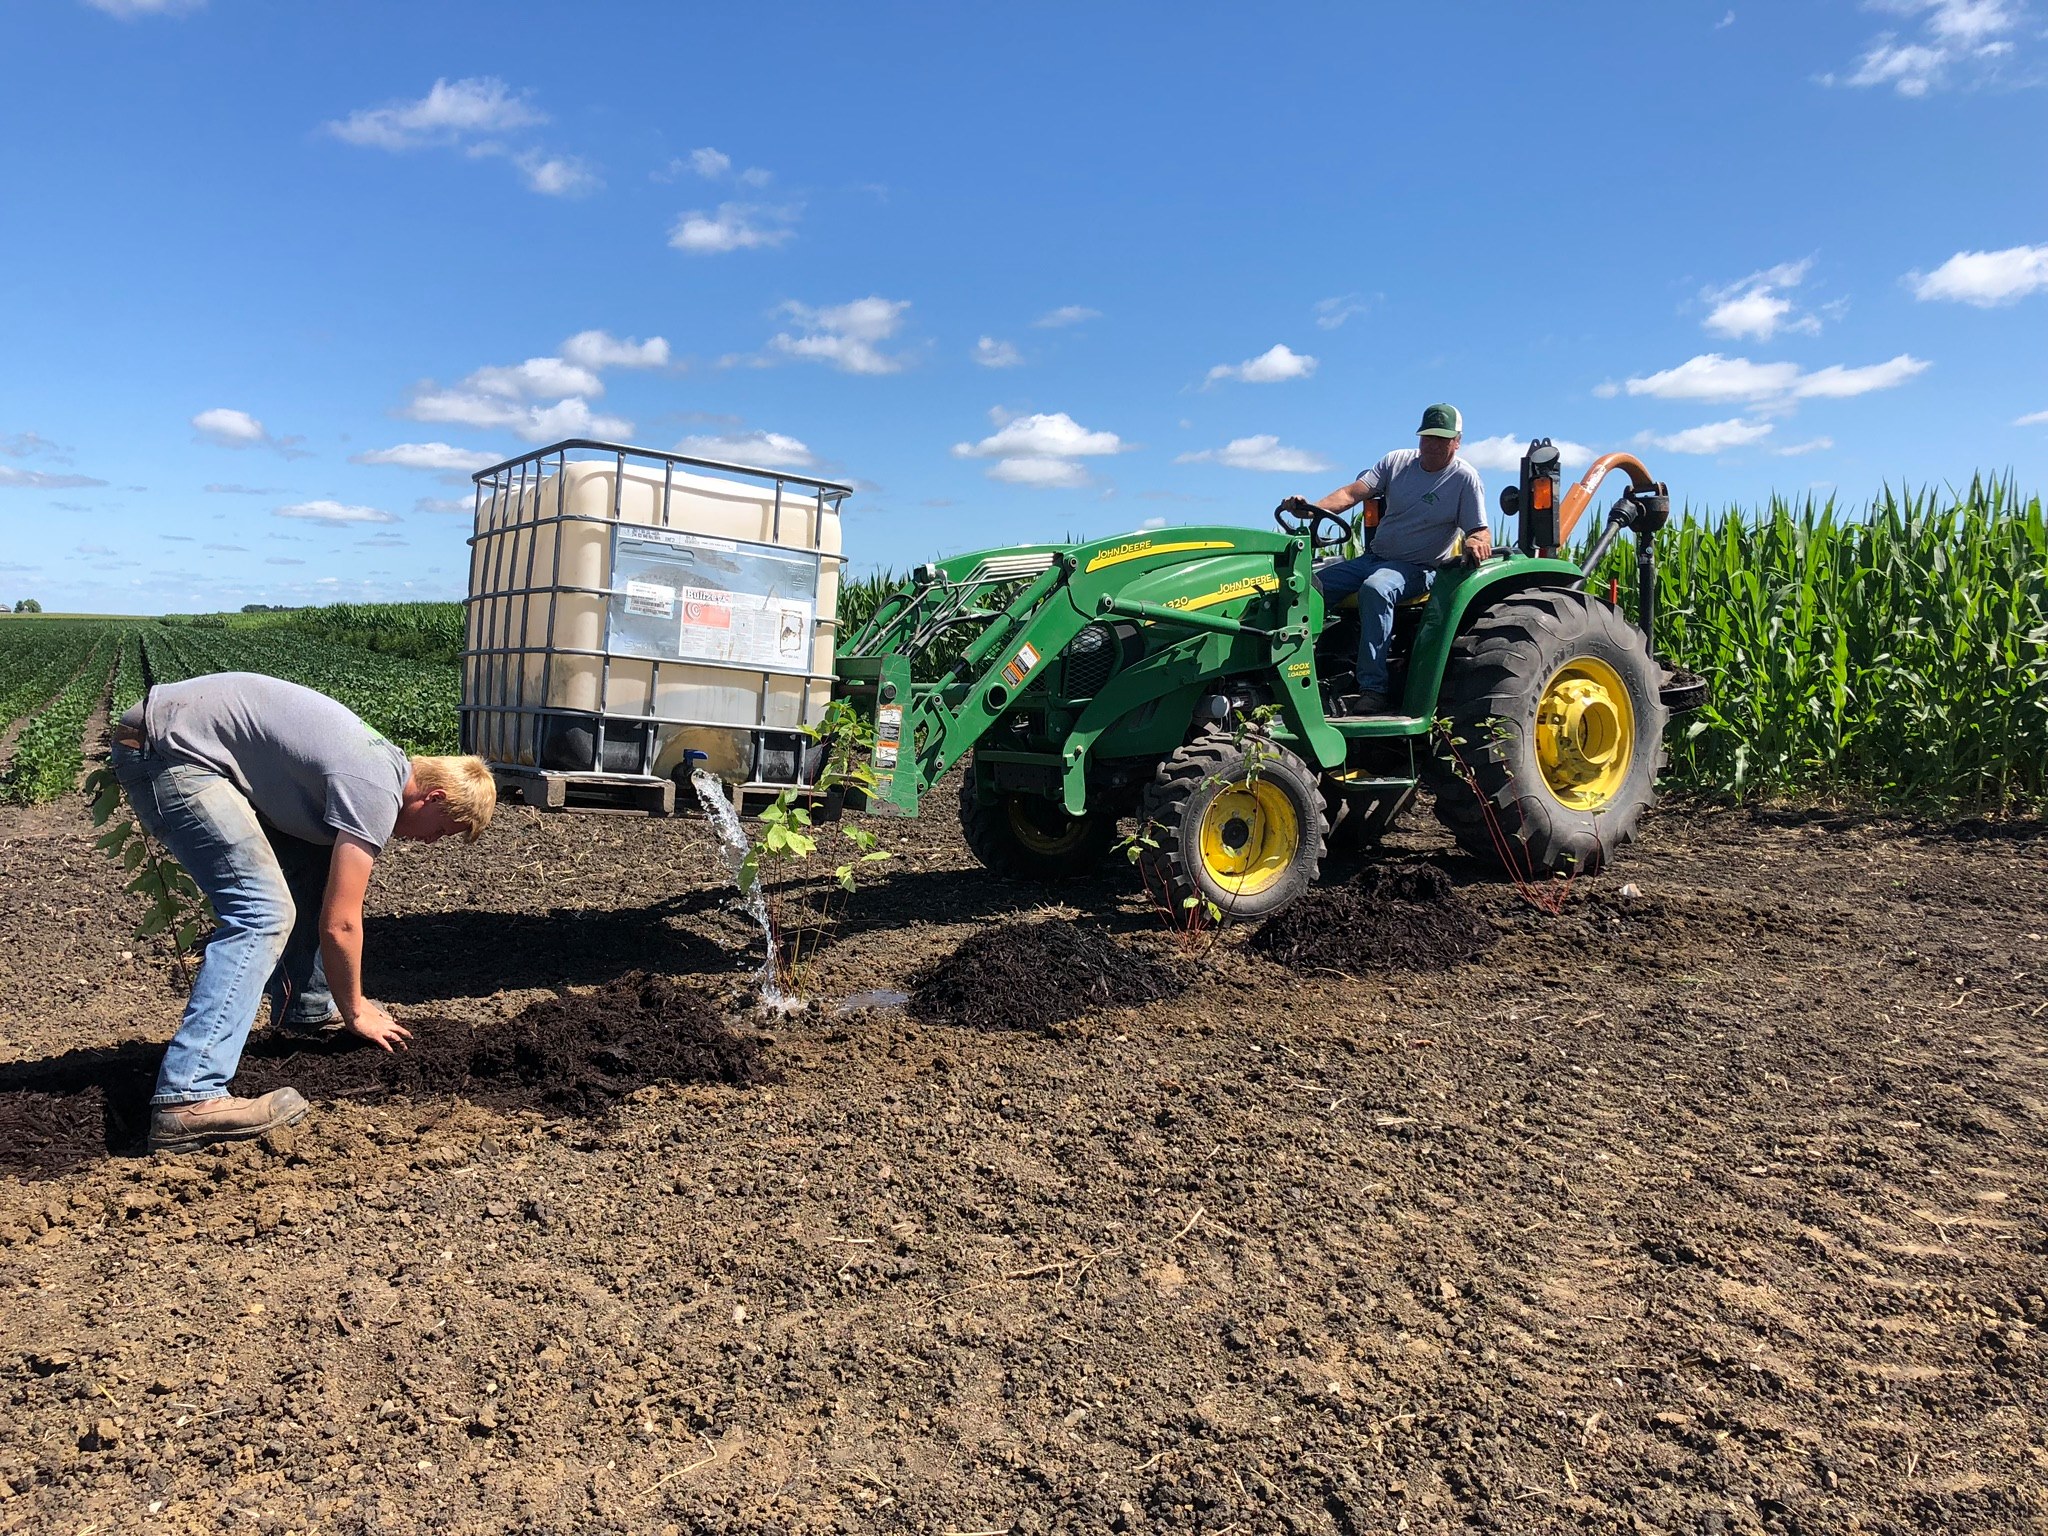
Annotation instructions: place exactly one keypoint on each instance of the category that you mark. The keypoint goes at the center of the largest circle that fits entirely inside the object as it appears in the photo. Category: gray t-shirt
(310, 767)
(1425, 513)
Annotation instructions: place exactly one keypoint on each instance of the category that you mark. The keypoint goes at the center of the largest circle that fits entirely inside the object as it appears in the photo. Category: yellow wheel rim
(1035, 837)
(1585, 734)
(1250, 835)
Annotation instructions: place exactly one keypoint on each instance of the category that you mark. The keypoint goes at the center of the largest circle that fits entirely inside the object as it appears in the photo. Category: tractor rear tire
(1028, 837)
(1551, 699)
(1235, 824)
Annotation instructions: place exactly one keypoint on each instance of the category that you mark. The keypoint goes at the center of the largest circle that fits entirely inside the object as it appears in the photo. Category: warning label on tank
(680, 597)
(650, 600)
(744, 627)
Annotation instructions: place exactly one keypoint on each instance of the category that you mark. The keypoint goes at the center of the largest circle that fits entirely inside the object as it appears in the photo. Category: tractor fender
(1459, 596)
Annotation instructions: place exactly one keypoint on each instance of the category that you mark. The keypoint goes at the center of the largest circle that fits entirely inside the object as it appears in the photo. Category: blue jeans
(1380, 585)
(266, 890)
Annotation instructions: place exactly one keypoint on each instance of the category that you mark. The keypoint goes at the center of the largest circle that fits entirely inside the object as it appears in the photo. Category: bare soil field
(1715, 1207)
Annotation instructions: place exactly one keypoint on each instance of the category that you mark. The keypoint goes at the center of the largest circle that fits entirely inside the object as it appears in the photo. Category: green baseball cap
(1441, 421)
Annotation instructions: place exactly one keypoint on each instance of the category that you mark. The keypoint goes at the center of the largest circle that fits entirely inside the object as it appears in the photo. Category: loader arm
(1208, 604)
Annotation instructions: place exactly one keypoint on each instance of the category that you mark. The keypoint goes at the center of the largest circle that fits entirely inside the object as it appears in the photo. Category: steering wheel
(1297, 515)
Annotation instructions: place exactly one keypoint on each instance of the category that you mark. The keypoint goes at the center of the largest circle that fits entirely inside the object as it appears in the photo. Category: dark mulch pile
(566, 1056)
(569, 1055)
(1037, 976)
(1391, 918)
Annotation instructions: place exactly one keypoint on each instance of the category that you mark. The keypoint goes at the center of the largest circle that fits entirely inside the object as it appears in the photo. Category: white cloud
(991, 353)
(1711, 376)
(1727, 20)
(1151, 524)
(130, 10)
(1754, 307)
(1986, 278)
(41, 480)
(1909, 68)
(1960, 39)
(734, 227)
(557, 175)
(536, 423)
(1040, 450)
(1331, 313)
(1067, 314)
(768, 450)
(333, 514)
(710, 163)
(534, 379)
(1811, 445)
(600, 349)
(434, 456)
(1971, 22)
(1838, 383)
(2032, 419)
(844, 335)
(448, 114)
(1713, 437)
(1046, 436)
(1046, 474)
(1753, 314)
(1505, 452)
(1263, 452)
(230, 429)
(1275, 365)
(445, 505)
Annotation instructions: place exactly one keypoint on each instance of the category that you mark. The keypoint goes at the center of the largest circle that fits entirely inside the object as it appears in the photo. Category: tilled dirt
(1390, 917)
(1717, 1209)
(1038, 975)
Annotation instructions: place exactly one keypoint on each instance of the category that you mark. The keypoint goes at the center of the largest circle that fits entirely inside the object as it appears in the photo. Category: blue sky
(273, 276)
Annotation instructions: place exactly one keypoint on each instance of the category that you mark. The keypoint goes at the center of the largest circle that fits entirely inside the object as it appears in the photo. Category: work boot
(181, 1127)
(329, 1028)
(1352, 705)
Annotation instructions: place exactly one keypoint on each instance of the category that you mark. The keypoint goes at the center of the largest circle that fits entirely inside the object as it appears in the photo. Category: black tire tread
(1164, 815)
(986, 829)
(1494, 668)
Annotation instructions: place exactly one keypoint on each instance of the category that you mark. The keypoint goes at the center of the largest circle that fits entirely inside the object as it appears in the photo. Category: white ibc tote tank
(633, 613)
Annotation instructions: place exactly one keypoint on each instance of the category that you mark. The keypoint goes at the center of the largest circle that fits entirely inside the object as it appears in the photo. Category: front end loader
(1178, 677)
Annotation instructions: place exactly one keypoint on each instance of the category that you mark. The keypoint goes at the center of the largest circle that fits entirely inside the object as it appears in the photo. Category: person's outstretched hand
(379, 1028)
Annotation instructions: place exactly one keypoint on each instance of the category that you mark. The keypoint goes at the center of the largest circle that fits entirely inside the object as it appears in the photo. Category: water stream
(732, 847)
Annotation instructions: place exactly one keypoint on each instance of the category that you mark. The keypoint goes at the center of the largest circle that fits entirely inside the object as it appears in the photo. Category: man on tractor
(1431, 499)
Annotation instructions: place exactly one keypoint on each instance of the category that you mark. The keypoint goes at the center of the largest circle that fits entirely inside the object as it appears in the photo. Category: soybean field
(56, 674)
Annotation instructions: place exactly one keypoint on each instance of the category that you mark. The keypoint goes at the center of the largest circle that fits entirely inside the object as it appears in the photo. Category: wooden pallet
(552, 791)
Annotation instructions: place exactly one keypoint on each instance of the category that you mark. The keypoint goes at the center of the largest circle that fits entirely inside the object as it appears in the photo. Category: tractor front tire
(1556, 734)
(1028, 837)
(1237, 825)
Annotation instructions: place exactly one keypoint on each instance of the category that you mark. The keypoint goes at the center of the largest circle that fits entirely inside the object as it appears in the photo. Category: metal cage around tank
(509, 721)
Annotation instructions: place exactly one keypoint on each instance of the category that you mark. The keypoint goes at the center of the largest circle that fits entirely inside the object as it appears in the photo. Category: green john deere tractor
(1178, 677)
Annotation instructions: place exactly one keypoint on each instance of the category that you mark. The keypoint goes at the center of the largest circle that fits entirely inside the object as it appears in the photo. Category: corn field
(1898, 656)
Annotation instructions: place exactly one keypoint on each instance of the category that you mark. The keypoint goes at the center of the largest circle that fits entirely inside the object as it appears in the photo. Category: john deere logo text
(1243, 587)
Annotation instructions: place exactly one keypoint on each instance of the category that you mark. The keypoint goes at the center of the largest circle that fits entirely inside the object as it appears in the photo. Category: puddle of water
(732, 847)
(875, 997)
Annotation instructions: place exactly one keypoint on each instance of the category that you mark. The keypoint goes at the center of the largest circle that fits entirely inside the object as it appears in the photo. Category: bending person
(1432, 497)
(277, 801)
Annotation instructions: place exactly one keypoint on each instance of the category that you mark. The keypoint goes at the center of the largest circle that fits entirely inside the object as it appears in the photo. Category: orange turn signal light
(1543, 494)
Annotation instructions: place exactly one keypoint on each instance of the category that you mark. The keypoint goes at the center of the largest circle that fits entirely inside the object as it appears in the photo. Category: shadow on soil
(423, 957)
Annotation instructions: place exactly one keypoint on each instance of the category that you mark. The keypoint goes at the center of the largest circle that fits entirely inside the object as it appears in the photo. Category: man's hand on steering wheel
(1299, 515)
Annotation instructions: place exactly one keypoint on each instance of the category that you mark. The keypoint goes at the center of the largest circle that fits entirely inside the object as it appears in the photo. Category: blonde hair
(471, 793)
